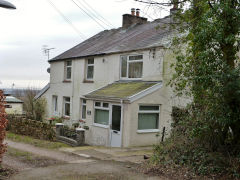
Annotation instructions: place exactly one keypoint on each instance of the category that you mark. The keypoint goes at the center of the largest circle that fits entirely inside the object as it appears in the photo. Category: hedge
(23, 126)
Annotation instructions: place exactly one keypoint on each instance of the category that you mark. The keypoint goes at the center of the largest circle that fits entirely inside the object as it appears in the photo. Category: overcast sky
(35, 23)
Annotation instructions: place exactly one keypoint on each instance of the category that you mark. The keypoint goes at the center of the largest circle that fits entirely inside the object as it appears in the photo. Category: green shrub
(182, 149)
(34, 108)
(36, 129)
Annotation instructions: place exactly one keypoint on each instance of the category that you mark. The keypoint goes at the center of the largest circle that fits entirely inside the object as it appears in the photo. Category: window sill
(131, 79)
(66, 117)
(148, 131)
(88, 81)
(67, 81)
(101, 125)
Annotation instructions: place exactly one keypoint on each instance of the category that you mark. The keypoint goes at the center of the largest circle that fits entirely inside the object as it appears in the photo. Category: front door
(115, 128)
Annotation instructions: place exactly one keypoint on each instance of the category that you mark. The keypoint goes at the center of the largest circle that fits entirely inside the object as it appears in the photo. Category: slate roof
(121, 90)
(11, 99)
(43, 90)
(136, 37)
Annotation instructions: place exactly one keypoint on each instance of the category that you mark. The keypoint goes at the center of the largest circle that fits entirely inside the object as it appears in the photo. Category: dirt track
(67, 166)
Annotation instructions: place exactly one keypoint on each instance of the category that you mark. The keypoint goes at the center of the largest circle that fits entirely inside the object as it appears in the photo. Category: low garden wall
(28, 127)
(73, 137)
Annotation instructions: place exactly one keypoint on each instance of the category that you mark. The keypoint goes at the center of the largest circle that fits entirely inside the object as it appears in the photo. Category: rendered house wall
(106, 71)
(16, 108)
(156, 67)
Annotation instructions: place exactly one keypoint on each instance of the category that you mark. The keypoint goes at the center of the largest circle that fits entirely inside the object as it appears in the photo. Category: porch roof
(125, 90)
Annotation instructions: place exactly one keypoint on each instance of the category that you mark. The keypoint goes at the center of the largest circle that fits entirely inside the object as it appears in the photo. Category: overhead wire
(96, 14)
(81, 35)
(85, 13)
(89, 15)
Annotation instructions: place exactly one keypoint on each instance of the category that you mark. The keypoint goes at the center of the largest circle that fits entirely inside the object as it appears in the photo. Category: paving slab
(134, 155)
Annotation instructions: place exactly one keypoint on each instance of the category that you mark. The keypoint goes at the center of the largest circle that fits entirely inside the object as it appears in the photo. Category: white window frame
(128, 62)
(89, 65)
(101, 108)
(149, 112)
(83, 104)
(55, 104)
(66, 102)
(66, 68)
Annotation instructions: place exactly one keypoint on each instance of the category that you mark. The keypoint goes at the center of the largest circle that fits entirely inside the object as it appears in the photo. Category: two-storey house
(116, 82)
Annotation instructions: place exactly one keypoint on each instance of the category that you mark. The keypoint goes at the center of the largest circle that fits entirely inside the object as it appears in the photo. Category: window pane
(135, 70)
(69, 63)
(97, 104)
(84, 112)
(101, 116)
(67, 109)
(148, 121)
(67, 99)
(105, 105)
(138, 57)
(150, 108)
(90, 72)
(116, 118)
(84, 101)
(55, 103)
(124, 66)
(8, 106)
(90, 61)
(69, 69)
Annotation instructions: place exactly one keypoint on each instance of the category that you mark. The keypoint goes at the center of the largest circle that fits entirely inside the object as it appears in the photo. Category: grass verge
(35, 142)
(19, 154)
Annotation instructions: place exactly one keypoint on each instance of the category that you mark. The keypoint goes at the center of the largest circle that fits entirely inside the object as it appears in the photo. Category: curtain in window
(90, 72)
(124, 66)
(69, 69)
(148, 121)
(101, 116)
(135, 70)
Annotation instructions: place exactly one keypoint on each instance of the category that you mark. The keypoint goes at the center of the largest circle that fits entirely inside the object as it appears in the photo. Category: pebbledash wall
(156, 67)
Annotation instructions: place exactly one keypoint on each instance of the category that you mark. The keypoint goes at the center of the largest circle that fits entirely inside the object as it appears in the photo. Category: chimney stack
(137, 12)
(175, 8)
(132, 19)
(133, 11)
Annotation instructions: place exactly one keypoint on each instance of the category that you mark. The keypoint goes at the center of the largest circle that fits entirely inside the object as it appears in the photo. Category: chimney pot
(132, 19)
(133, 11)
(137, 12)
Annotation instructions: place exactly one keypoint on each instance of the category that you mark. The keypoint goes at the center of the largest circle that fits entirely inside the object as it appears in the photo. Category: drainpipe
(122, 113)
(73, 65)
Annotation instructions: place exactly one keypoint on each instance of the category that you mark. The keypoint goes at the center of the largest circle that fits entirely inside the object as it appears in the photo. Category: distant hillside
(19, 93)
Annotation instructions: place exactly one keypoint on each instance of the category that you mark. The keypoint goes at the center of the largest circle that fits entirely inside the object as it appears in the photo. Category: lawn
(35, 142)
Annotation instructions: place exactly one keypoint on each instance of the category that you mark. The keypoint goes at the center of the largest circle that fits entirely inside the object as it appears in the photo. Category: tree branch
(160, 3)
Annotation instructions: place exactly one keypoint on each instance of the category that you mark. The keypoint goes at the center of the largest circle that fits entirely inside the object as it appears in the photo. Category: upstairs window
(68, 70)
(90, 69)
(131, 66)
